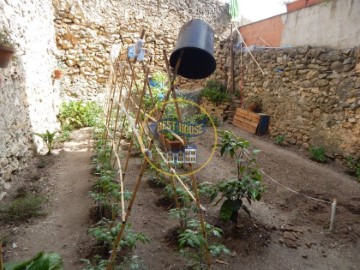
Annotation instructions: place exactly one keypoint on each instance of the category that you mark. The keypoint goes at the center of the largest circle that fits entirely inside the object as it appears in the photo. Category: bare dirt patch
(65, 179)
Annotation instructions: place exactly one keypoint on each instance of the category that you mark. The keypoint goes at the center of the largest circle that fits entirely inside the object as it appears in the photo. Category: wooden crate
(246, 120)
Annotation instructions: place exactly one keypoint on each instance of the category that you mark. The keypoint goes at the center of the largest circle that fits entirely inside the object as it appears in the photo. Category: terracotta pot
(6, 52)
(58, 74)
(173, 146)
(254, 107)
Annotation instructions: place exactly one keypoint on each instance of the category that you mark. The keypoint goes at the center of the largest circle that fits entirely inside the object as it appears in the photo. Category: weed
(48, 138)
(216, 120)
(23, 208)
(354, 166)
(317, 154)
(64, 135)
(280, 139)
(5, 239)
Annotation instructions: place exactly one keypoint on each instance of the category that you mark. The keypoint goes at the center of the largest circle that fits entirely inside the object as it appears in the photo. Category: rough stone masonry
(311, 94)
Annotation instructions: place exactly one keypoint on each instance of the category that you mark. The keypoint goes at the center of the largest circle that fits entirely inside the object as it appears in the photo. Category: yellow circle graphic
(202, 110)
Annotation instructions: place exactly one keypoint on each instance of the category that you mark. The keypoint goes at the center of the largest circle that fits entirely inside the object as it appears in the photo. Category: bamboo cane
(124, 118)
(118, 109)
(136, 122)
(137, 185)
(193, 179)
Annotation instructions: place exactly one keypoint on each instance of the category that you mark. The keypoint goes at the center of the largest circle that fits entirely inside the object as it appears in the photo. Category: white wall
(28, 99)
(333, 23)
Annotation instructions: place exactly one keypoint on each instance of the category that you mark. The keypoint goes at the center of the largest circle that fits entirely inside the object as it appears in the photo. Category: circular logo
(183, 130)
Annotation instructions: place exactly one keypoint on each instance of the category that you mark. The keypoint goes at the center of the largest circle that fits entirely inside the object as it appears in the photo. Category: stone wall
(86, 31)
(311, 94)
(28, 99)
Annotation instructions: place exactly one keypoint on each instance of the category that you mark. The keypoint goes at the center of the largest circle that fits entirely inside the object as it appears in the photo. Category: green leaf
(228, 208)
(41, 261)
(213, 196)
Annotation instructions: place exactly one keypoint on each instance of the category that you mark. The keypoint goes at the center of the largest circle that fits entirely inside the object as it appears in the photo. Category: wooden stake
(133, 125)
(132, 200)
(136, 122)
(232, 62)
(111, 101)
(128, 212)
(1, 257)
(237, 30)
(124, 118)
(333, 211)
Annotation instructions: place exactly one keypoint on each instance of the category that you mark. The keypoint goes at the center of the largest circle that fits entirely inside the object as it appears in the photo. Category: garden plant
(247, 185)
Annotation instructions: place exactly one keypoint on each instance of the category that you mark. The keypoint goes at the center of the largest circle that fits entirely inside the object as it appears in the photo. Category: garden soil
(285, 231)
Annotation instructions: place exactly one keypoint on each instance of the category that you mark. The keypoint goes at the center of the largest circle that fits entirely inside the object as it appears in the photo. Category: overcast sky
(255, 10)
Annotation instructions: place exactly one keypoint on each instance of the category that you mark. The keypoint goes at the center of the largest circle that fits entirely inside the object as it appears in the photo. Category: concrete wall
(28, 99)
(332, 23)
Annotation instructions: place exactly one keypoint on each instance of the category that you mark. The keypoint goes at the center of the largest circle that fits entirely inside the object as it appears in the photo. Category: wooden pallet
(246, 120)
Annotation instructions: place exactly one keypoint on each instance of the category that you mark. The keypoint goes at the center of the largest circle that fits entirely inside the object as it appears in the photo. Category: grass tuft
(23, 208)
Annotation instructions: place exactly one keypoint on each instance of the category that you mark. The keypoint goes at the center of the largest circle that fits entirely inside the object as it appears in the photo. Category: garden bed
(286, 230)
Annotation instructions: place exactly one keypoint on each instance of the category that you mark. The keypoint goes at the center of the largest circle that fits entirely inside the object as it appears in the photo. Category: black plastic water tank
(196, 43)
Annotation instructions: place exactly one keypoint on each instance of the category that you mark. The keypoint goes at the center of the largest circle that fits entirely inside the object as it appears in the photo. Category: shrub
(215, 92)
(317, 154)
(78, 114)
(196, 118)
